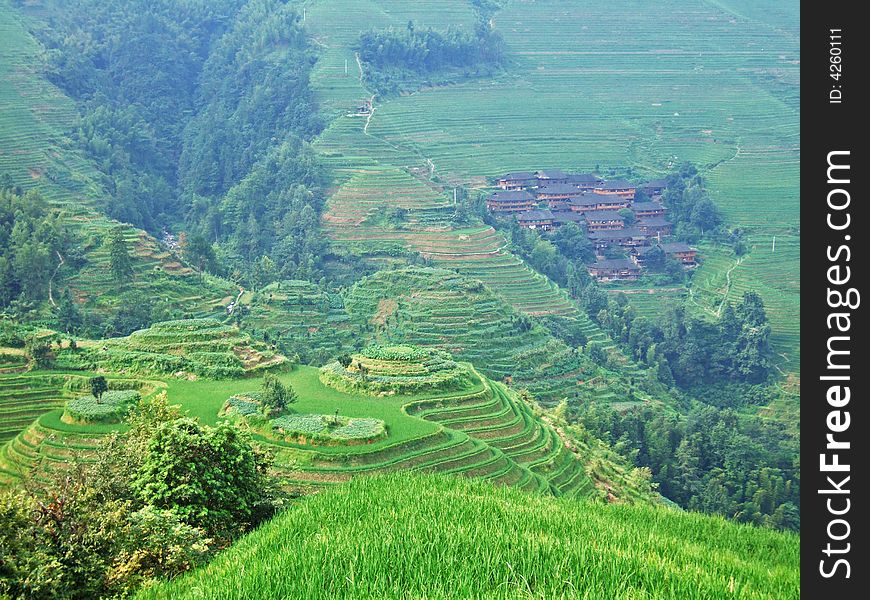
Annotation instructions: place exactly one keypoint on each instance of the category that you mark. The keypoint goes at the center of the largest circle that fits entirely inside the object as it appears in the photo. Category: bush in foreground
(411, 536)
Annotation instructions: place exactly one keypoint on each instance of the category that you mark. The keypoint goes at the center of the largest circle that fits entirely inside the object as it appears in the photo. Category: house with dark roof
(537, 219)
(654, 187)
(589, 201)
(614, 269)
(629, 237)
(618, 187)
(654, 226)
(599, 220)
(679, 251)
(522, 180)
(647, 209)
(557, 195)
(510, 201)
(583, 181)
(551, 176)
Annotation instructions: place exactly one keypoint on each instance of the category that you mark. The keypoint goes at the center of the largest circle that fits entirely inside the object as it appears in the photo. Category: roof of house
(582, 178)
(615, 234)
(647, 206)
(535, 215)
(655, 183)
(563, 216)
(559, 188)
(550, 174)
(511, 196)
(603, 215)
(615, 263)
(593, 198)
(519, 175)
(616, 184)
(653, 222)
(671, 247)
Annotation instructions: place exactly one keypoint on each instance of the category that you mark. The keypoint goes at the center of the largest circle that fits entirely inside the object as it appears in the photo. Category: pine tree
(119, 258)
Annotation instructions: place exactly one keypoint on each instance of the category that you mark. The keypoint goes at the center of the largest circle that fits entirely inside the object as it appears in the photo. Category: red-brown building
(557, 195)
(648, 209)
(551, 177)
(601, 220)
(655, 226)
(653, 187)
(617, 187)
(590, 201)
(537, 219)
(630, 237)
(681, 252)
(511, 201)
(518, 181)
(614, 269)
(583, 181)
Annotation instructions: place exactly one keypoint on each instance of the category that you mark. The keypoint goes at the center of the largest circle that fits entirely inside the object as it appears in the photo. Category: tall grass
(413, 536)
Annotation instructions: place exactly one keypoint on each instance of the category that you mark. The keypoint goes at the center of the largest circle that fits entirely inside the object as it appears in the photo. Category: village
(615, 214)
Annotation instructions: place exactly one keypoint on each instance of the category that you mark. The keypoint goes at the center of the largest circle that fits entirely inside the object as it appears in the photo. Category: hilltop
(400, 536)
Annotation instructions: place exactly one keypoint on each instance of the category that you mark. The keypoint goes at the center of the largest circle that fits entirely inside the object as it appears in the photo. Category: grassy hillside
(37, 152)
(403, 536)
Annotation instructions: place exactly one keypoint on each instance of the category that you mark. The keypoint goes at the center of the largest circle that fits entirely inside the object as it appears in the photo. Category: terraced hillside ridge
(300, 315)
(36, 152)
(23, 397)
(390, 370)
(36, 437)
(438, 537)
(439, 308)
(470, 426)
(634, 103)
(183, 348)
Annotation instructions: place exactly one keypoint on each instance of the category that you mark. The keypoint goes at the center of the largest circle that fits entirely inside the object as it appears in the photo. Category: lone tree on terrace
(99, 386)
(276, 395)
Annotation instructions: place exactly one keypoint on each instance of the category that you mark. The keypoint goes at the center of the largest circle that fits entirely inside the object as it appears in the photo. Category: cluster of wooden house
(599, 207)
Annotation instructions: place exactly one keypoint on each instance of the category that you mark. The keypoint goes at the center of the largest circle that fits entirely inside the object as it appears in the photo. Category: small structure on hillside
(510, 201)
(522, 180)
(614, 269)
(537, 219)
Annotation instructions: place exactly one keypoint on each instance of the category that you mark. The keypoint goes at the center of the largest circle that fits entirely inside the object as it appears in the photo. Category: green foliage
(405, 535)
(275, 396)
(111, 407)
(99, 386)
(212, 477)
(31, 238)
(398, 60)
(38, 349)
(735, 347)
(388, 370)
(711, 459)
(103, 529)
(119, 257)
(328, 428)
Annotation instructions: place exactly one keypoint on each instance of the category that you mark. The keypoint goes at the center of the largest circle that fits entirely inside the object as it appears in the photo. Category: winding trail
(51, 280)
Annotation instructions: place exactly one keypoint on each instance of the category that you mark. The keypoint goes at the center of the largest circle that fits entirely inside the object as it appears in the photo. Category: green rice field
(400, 536)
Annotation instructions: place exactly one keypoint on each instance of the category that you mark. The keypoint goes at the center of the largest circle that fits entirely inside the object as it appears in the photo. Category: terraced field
(478, 429)
(767, 269)
(185, 348)
(438, 308)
